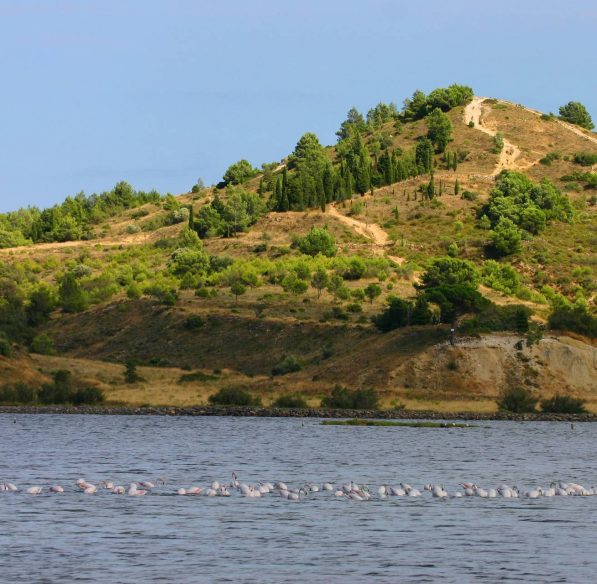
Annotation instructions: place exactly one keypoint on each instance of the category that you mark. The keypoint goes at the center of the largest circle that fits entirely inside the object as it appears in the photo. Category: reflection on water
(168, 538)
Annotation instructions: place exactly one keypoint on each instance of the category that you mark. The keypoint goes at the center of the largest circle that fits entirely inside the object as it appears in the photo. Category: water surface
(73, 537)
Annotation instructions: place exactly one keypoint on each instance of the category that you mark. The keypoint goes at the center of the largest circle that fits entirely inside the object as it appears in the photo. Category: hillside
(418, 235)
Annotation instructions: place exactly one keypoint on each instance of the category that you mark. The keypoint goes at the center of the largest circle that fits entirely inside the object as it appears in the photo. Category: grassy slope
(405, 365)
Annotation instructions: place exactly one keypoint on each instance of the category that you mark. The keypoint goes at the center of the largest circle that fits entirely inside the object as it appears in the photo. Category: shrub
(196, 376)
(469, 196)
(289, 364)
(233, 395)
(450, 272)
(43, 345)
(343, 398)
(563, 404)
(550, 157)
(575, 319)
(194, 322)
(501, 277)
(130, 372)
(5, 345)
(17, 394)
(291, 401)
(132, 229)
(585, 158)
(493, 318)
(318, 240)
(517, 400)
(87, 395)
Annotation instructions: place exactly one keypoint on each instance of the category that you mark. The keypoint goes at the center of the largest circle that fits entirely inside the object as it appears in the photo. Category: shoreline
(239, 411)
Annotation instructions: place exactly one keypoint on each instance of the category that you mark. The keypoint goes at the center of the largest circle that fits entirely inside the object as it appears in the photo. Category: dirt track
(371, 231)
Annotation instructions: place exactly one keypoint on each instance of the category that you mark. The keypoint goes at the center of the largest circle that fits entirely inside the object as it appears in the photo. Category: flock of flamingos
(349, 490)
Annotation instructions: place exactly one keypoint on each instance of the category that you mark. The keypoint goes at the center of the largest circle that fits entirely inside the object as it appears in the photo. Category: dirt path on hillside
(575, 129)
(510, 152)
(371, 231)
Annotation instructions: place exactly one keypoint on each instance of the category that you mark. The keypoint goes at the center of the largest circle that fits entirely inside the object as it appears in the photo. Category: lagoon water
(162, 537)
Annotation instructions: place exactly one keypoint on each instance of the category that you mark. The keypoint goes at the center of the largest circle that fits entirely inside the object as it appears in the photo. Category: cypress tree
(456, 187)
(191, 218)
(431, 187)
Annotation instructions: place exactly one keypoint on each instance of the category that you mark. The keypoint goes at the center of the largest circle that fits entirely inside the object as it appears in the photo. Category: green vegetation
(196, 376)
(233, 395)
(585, 158)
(517, 400)
(226, 218)
(358, 399)
(60, 391)
(130, 373)
(71, 220)
(573, 318)
(517, 206)
(440, 129)
(290, 400)
(576, 113)
(289, 364)
(317, 241)
(239, 172)
(391, 423)
(563, 404)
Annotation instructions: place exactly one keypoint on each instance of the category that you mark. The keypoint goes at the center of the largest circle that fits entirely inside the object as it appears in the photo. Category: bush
(291, 401)
(343, 398)
(87, 395)
(17, 394)
(194, 322)
(517, 400)
(289, 364)
(450, 272)
(5, 345)
(130, 372)
(512, 317)
(43, 345)
(585, 158)
(563, 404)
(232, 395)
(318, 240)
(573, 319)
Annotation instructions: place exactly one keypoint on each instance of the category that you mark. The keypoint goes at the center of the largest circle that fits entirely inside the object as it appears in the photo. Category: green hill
(344, 264)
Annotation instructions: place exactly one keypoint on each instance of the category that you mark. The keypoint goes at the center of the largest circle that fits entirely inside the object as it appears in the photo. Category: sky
(162, 92)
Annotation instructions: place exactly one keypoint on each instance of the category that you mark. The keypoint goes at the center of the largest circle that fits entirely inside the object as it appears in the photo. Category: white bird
(146, 484)
(135, 491)
(181, 491)
(90, 490)
(106, 485)
(215, 485)
(8, 487)
(211, 492)
(56, 489)
(119, 490)
(327, 487)
(194, 491)
(34, 490)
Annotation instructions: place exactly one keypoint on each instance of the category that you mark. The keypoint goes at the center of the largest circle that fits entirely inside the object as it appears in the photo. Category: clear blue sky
(162, 92)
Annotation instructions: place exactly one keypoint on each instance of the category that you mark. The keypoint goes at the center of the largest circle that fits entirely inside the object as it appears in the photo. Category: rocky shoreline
(292, 413)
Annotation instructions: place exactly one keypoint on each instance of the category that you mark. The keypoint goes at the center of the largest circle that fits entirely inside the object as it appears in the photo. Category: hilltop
(346, 264)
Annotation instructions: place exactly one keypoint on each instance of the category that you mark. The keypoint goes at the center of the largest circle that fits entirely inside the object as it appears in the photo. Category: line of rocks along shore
(292, 413)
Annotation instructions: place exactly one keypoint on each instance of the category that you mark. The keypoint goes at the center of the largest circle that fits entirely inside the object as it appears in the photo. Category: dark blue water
(162, 537)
